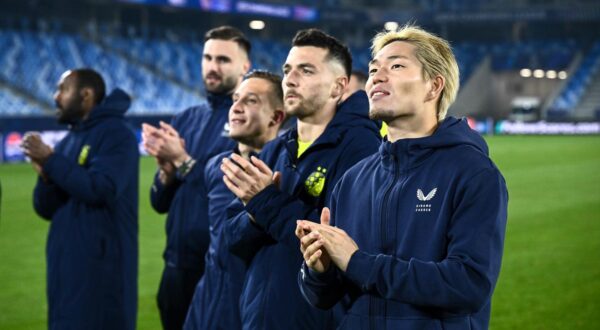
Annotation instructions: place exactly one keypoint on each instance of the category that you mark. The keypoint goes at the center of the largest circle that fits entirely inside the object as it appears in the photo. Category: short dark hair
(229, 33)
(275, 80)
(89, 78)
(361, 76)
(317, 38)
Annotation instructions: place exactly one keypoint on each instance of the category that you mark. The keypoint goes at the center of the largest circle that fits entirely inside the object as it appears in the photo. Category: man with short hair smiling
(254, 120)
(417, 230)
(308, 161)
(181, 151)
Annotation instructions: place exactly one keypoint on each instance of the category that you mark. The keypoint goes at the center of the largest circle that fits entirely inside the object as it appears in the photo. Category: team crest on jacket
(424, 207)
(83, 154)
(315, 182)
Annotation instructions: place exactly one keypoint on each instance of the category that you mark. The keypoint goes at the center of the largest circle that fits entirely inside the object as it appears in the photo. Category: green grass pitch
(550, 275)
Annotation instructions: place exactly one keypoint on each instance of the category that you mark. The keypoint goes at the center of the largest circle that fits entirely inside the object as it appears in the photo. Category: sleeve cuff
(313, 276)
(359, 267)
(259, 203)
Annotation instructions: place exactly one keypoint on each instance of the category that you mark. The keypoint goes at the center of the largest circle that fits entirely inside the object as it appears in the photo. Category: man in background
(88, 188)
(181, 150)
(357, 82)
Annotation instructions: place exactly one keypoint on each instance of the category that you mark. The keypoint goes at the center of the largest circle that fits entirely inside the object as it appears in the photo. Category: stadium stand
(163, 74)
(584, 77)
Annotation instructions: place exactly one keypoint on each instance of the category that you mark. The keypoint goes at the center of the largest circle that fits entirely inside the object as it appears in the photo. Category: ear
(246, 67)
(437, 86)
(339, 88)
(87, 95)
(277, 118)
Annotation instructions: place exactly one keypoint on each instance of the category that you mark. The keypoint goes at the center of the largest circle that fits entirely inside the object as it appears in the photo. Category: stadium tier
(164, 76)
(574, 90)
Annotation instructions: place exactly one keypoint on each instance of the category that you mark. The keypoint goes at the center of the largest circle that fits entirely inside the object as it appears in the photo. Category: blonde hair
(434, 53)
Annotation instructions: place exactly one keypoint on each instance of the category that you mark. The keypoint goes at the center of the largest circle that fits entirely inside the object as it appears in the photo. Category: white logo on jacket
(425, 207)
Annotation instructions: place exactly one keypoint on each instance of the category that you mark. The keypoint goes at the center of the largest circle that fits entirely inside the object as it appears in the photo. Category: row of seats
(35, 61)
(164, 76)
(577, 84)
(16, 106)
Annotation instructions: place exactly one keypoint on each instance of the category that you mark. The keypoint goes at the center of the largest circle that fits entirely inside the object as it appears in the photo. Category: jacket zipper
(384, 216)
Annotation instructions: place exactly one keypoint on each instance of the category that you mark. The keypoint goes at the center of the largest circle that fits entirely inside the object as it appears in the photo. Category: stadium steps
(24, 94)
(590, 101)
(134, 61)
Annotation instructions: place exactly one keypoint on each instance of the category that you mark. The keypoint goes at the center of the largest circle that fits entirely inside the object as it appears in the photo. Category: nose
(379, 76)
(56, 96)
(236, 107)
(210, 65)
(290, 79)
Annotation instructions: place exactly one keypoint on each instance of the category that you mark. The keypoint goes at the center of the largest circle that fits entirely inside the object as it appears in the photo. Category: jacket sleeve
(465, 279)
(105, 179)
(219, 196)
(161, 195)
(47, 198)
(276, 211)
(243, 237)
(324, 290)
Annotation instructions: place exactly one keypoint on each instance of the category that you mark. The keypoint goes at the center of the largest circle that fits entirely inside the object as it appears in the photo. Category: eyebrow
(301, 65)
(391, 57)
(247, 95)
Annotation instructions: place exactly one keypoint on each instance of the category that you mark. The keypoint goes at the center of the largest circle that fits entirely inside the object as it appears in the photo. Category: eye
(307, 71)
(397, 66)
(372, 71)
(251, 101)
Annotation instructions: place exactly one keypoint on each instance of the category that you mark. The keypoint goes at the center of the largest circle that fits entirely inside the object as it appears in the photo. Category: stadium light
(551, 74)
(390, 26)
(525, 73)
(562, 75)
(257, 25)
(538, 73)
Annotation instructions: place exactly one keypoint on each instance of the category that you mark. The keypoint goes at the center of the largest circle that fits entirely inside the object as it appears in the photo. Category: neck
(246, 150)
(256, 146)
(412, 127)
(311, 127)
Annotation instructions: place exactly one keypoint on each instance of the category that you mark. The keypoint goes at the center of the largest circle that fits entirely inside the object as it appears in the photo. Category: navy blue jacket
(92, 199)
(270, 298)
(429, 218)
(215, 302)
(203, 129)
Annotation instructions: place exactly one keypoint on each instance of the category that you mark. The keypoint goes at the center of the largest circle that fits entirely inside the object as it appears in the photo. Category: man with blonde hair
(415, 234)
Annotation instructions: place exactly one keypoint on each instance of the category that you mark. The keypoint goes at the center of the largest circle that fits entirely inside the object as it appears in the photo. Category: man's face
(396, 87)
(68, 99)
(308, 80)
(223, 65)
(251, 113)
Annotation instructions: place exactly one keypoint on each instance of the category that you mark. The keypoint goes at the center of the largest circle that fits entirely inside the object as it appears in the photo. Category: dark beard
(72, 112)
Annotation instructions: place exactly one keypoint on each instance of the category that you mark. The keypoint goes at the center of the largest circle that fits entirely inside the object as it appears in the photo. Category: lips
(212, 77)
(237, 121)
(291, 95)
(378, 93)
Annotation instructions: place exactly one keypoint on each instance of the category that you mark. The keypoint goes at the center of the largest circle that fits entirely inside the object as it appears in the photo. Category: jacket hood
(353, 112)
(450, 133)
(218, 101)
(114, 104)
